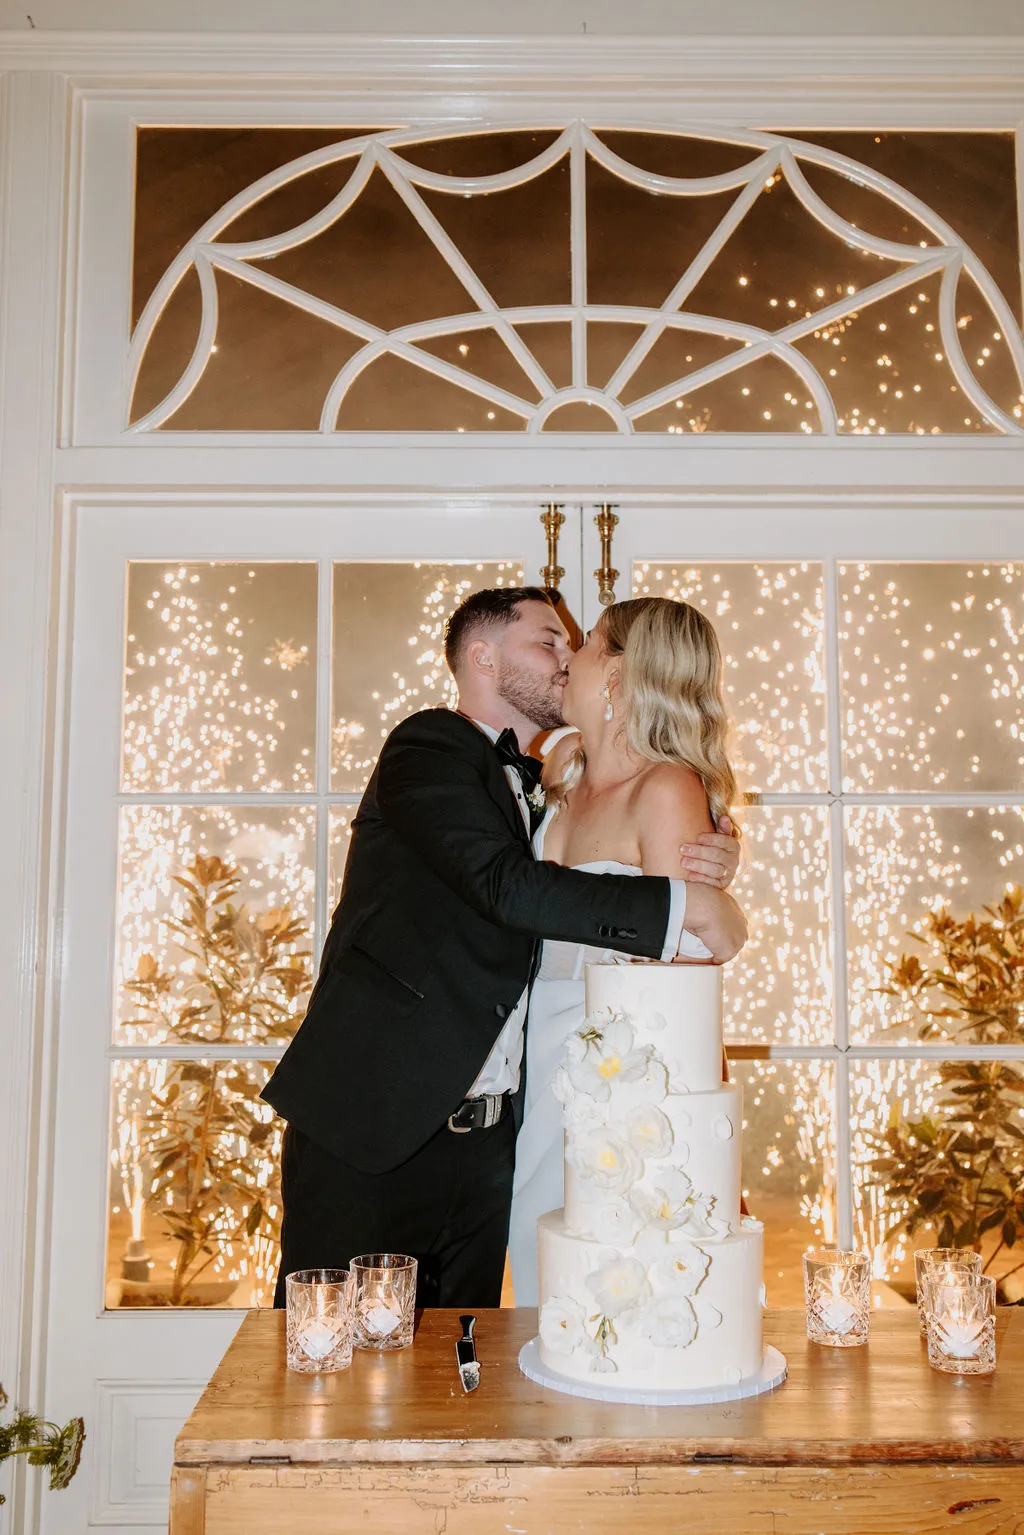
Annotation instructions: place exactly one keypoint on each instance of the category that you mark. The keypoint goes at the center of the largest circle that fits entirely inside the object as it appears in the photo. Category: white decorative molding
(520, 63)
(133, 1434)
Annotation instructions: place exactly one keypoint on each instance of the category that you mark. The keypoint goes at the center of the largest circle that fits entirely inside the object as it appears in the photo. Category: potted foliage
(42, 1444)
(960, 1168)
(205, 1136)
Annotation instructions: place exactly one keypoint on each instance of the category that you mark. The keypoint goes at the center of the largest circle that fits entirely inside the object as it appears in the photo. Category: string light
(906, 726)
(195, 720)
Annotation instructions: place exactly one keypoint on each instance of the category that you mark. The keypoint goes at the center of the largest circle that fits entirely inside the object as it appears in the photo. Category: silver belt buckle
(492, 1113)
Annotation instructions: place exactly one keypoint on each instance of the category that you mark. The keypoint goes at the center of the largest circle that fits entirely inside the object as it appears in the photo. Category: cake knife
(465, 1353)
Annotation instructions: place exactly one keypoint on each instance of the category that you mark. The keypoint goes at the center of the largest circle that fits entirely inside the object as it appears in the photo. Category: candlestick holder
(837, 1292)
(961, 1313)
(385, 1300)
(932, 1261)
(319, 1322)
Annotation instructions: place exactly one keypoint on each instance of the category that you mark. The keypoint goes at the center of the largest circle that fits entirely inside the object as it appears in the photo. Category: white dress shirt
(502, 1068)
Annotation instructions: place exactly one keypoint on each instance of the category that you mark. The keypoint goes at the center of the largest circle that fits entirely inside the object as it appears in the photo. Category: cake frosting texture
(650, 1274)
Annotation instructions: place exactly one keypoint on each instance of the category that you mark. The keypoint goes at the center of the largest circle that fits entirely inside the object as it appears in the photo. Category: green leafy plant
(42, 1444)
(960, 1169)
(204, 1124)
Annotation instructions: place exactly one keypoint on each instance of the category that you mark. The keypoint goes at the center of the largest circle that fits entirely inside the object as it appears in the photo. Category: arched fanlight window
(542, 280)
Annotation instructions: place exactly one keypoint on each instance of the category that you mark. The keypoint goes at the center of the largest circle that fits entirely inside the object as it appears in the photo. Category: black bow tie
(528, 768)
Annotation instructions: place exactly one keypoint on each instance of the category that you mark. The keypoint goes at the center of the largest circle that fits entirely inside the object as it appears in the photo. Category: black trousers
(447, 1206)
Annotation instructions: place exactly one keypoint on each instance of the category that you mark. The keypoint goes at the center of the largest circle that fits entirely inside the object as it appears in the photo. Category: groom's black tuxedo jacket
(432, 943)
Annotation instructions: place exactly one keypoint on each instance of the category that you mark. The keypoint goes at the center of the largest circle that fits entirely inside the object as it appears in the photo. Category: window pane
(932, 660)
(215, 910)
(770, 624)
(901, 864)
(220, 677)
(779, 988)
(194, 1194)
(967, 178)
(394, 262)
(388, 649)
(789, 1149)
(905, 1113)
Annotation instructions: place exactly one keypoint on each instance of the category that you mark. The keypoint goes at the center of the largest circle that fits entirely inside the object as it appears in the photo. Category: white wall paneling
(33, 124)
(135, 1424)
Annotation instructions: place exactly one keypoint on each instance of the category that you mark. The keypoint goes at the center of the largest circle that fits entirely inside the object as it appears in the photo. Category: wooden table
(865, 1441)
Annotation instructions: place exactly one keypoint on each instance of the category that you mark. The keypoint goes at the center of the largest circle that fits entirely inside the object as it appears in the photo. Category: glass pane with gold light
(220, 676)
(388, 650)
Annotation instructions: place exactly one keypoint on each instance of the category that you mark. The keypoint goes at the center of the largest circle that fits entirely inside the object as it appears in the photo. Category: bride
(644, 769)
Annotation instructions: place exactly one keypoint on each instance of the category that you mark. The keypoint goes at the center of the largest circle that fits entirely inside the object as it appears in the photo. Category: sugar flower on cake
(683, 1270)
(562, 1324)
(604, 1336)
(606, 1158)
(669, 1322)
(671, 1203)
(673, 1322)
(578, 1110)
(610, 1056)
(618, 1284)
(648, 1130)
(650, 1087)
(613, 1221)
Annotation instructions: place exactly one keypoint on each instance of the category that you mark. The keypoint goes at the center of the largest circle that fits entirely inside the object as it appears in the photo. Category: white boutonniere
(537, 799)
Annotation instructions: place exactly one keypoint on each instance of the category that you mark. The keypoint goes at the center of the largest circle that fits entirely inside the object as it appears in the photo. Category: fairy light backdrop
(221, 694)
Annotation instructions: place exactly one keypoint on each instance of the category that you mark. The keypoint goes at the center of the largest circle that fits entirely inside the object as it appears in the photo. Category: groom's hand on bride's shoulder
(714, 858)
(714, 917)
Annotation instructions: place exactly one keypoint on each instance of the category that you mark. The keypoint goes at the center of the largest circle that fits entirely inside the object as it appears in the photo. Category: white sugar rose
(618, 1285)
(562, 1325)
(669, 1203)
(648, 1131)
(613, 1221)
(604, 1157)
(582, 1113)
(669, 1322)
(674, 1322)
(683, 1270)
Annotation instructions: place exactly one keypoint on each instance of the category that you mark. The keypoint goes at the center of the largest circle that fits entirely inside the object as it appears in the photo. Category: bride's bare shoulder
(668, 789)
(556, 755)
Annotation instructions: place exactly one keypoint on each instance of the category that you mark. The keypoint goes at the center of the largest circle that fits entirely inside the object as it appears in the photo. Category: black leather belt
(478, 1113)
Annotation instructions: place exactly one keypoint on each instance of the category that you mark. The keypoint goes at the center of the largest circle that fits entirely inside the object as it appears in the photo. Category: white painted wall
(495, 18)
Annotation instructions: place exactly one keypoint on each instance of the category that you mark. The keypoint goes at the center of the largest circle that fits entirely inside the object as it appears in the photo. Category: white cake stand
(771, 1374)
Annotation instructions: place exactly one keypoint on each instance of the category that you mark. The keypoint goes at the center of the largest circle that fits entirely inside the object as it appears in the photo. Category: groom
(398, 1087)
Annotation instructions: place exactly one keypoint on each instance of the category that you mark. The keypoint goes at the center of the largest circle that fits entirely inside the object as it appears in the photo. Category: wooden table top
(881, 1403)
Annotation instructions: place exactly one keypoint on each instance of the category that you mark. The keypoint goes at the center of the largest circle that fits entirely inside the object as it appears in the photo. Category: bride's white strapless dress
(556, 1009)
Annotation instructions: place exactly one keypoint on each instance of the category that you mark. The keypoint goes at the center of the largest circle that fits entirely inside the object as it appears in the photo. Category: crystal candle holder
(319, 1321)
(837, 1292)
(961, 1313)
(385, 1300)
(929, 1261)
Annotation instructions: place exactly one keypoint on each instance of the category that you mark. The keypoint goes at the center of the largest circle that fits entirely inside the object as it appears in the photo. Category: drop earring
(607, 695)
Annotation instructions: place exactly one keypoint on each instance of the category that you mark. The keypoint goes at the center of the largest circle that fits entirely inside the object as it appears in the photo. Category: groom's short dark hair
(494, 607)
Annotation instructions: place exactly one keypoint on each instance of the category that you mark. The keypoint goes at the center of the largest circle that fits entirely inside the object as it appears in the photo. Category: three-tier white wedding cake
(650, 1276)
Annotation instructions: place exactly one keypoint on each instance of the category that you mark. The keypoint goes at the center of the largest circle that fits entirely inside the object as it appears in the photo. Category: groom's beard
(538, 700)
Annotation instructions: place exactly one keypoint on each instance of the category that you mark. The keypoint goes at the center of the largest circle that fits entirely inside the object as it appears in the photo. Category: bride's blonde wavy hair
(670, 687)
